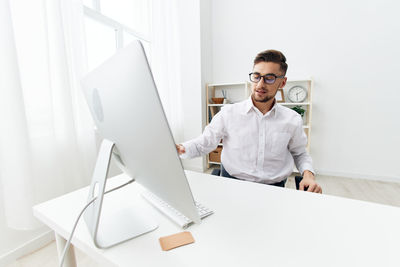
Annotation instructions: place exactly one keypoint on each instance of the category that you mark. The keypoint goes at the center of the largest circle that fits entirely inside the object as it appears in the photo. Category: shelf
(216, 105)
(213, 162)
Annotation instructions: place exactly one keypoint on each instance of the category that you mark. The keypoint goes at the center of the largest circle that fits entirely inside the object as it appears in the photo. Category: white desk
(253, 225)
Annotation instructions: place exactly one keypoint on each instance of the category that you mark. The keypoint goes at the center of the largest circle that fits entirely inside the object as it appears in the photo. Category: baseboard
(26, 248)
(381, 178)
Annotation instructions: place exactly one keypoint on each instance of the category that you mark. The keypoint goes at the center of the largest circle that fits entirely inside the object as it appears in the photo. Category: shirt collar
(274, 109)
(249, 105)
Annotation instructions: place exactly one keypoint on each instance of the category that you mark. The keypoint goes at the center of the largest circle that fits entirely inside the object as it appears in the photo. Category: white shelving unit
(307, 104)
(236, 92)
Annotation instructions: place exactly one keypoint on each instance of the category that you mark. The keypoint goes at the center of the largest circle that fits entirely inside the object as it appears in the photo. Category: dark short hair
(272, 56)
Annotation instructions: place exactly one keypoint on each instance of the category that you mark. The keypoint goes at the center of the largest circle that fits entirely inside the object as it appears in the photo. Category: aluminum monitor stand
(116, 225)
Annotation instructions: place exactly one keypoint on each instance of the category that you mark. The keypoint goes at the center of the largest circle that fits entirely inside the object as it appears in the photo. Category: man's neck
(264, 107)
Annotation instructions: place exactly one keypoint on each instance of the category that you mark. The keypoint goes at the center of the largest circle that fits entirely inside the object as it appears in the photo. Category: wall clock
(297, 94)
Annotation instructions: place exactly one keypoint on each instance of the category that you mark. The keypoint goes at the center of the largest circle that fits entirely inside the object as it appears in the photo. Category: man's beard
(263, 100)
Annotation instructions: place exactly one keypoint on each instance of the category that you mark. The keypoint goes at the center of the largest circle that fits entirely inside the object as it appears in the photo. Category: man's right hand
(180, 148)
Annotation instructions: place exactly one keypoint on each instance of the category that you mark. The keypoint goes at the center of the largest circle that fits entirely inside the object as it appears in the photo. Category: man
(262, 139)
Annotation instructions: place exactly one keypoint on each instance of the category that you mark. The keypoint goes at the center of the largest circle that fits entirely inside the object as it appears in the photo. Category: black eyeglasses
(269, 78)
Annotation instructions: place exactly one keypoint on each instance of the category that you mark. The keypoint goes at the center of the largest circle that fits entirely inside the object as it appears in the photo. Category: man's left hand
(309, 183)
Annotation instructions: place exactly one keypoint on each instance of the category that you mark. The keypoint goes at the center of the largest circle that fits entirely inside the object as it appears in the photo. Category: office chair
(297, 179)
(216, 172)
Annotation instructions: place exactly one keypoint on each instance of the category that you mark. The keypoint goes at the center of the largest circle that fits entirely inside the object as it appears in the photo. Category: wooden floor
(380, 192)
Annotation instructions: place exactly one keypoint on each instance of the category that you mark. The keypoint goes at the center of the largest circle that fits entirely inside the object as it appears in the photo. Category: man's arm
(205, 143)
(303, 161)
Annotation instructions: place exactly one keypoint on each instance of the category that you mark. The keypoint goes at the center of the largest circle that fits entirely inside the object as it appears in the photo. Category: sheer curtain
(47, 144)
(166, 61)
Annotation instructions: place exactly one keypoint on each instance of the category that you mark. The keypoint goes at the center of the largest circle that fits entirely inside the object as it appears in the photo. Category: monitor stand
(115, 225)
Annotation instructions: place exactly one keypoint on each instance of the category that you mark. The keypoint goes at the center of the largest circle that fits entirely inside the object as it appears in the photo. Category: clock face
(297, 94)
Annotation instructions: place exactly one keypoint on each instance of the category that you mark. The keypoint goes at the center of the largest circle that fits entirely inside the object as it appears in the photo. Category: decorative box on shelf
(215, 156)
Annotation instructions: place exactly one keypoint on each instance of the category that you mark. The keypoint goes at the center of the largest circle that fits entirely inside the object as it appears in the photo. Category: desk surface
(253, 225)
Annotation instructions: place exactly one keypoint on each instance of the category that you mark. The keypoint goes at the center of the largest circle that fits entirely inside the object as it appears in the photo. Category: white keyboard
(202, 210)
(172, 213)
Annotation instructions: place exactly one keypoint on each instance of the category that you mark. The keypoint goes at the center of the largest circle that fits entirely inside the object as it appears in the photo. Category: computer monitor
(126, 108)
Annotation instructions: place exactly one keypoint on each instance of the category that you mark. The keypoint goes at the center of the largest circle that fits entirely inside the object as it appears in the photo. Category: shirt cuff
(184, 156)
(306, 167)
(188, 150)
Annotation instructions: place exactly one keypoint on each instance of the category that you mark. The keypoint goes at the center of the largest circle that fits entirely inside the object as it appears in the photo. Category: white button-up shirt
(256, 147)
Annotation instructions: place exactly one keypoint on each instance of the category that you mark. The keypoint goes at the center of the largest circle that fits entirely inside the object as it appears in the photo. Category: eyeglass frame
(263, 77)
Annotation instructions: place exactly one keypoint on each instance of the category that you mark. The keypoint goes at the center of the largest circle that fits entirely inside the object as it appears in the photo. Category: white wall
(351, 48)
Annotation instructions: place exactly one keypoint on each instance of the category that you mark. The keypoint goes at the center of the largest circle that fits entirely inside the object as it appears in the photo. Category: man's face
(261, 91)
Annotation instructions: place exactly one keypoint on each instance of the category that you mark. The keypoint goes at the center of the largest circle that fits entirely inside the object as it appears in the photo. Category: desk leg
(69, 260)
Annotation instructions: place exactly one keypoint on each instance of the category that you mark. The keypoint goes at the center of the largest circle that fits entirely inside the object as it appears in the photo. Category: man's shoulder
(288, 112)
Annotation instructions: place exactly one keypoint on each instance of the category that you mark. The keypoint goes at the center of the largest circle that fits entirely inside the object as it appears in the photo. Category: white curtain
(166, 61)
(47, 144)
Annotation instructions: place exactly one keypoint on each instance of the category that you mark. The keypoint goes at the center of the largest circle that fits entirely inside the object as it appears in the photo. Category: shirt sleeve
(297, 147)
(209, 140)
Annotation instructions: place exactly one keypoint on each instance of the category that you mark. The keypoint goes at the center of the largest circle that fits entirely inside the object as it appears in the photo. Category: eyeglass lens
(256, 77)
